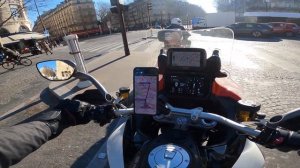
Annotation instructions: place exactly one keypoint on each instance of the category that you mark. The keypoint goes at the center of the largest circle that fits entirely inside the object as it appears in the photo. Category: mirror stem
(94, 81)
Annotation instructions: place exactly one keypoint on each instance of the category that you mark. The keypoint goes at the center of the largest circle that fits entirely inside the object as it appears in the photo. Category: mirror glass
(55, 70)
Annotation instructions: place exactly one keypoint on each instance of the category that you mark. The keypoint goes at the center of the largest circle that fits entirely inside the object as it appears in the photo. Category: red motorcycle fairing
(225, 87)
(222, 87)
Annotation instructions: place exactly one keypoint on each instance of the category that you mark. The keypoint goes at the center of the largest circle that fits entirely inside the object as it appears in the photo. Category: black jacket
(18, 141)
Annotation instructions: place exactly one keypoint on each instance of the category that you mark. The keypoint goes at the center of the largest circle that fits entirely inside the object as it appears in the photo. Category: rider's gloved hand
(102, 114)
(75, 112)
(78, 112)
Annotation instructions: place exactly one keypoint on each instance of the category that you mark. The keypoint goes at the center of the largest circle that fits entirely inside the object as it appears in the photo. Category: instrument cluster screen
(187, 86)
(186, 59)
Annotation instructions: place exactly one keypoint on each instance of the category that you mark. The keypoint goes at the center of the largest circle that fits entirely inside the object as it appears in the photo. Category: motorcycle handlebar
(203, 115)
(230, 123)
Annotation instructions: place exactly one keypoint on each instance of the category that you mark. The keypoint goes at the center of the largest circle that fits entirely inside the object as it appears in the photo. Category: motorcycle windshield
(221, 39)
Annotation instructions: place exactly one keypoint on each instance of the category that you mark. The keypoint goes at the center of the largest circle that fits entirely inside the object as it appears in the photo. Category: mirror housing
(56, 70)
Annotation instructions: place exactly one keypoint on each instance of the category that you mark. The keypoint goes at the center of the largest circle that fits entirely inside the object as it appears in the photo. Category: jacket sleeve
(18, 141)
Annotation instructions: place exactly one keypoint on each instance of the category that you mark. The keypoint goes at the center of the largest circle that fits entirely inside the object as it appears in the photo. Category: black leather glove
(102, 114)
(78, 112)
(74, 112)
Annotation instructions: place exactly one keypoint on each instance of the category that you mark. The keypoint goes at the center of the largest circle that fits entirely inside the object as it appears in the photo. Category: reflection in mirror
(55, 70)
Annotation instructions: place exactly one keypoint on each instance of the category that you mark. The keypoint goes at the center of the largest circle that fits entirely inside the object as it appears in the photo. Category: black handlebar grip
(102, 114)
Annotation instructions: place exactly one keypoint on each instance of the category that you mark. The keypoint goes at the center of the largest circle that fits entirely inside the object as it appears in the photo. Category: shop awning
(22, 36)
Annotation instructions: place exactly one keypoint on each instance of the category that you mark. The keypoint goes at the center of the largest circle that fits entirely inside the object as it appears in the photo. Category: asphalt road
(269, 72)
(267, 69)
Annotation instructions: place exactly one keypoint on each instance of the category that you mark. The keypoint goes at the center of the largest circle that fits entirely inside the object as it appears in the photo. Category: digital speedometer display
(186, 59)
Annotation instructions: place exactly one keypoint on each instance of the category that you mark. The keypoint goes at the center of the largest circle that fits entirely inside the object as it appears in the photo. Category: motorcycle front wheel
(25, 61)
(8, 65)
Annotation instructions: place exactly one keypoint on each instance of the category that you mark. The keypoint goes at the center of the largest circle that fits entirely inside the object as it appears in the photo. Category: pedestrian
(50, 46)
(54, 44)
(45, 47)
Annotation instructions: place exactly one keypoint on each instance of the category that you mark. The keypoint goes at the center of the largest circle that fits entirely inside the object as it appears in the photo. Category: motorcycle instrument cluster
(188, 59)
(184, 76)
(186, 85)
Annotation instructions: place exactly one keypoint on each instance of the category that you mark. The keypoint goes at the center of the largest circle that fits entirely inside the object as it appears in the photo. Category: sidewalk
(113, 70)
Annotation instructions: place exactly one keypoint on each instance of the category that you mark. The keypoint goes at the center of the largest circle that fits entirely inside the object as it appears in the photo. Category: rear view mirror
(56, 70)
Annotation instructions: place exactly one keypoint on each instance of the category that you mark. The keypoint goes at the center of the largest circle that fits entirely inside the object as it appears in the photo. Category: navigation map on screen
(145, 94)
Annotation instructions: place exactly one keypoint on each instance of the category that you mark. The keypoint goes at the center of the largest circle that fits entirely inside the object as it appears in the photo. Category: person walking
(45, 47)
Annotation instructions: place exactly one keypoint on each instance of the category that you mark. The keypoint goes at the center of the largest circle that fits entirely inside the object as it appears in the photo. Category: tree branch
(2, 3)
(12, 15)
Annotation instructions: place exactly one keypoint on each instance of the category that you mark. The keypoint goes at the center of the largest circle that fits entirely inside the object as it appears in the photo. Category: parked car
(252, 29)
(283, 28)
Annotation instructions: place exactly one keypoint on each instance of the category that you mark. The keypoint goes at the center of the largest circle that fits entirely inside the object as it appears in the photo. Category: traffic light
(149, 5)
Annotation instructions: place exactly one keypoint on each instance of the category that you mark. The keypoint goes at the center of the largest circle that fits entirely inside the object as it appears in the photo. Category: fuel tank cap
(168, 156)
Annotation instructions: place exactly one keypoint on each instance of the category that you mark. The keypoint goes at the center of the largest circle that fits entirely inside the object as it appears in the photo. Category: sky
(207, 5)
(49, 64)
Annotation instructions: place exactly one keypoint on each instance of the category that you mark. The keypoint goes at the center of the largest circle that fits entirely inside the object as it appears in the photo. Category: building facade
(19, 22)
(162, 11)
(63, 70)
(241, 6)
(70, 16)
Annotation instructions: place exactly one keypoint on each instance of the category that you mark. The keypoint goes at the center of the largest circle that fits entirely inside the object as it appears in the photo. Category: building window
(14, 9)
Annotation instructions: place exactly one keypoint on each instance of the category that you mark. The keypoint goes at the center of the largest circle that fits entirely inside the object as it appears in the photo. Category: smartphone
(145, 81)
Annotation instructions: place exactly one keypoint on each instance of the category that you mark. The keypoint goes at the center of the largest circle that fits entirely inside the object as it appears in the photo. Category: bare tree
(103, 11)
(13, 11)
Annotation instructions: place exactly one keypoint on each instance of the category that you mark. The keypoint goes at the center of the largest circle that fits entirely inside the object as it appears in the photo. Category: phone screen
(145, 90)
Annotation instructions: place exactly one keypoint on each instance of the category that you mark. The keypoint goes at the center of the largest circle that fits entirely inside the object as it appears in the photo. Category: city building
(241, 6)
(160, 14)
(18, 22)
(63, 70)
(69, 17)
(262, 10)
